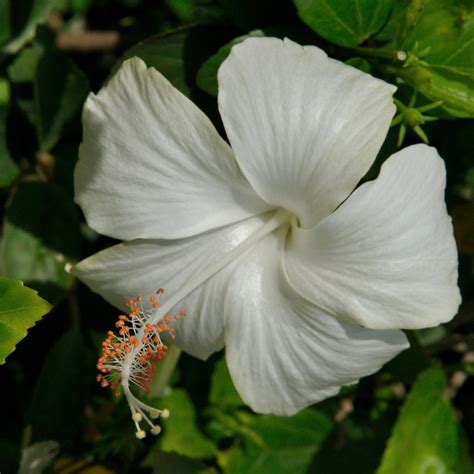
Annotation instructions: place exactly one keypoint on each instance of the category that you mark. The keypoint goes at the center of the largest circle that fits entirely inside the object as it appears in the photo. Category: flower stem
(394, 55)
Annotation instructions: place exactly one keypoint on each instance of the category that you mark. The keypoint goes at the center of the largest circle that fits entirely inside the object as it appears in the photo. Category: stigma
(130, 353)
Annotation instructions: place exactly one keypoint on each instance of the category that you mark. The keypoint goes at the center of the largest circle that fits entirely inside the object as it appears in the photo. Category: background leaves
(345, 22)
(38, 243)
(416, 414)
(432, 440)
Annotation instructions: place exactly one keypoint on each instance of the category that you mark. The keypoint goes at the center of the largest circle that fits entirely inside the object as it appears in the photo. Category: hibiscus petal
(283, 352)
(140, 267)
(387, 257)
(152, 165)
(304, 128)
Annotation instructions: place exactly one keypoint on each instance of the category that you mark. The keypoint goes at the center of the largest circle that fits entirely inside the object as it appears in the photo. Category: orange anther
(167, 319)
(119, 324)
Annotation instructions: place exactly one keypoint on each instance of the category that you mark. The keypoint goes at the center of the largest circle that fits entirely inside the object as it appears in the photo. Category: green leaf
(8, 169)
(403, 18)
(41, 235)
(5, 27)
(445, 28)
(450, 85)
(56, 408)
(23, 67)
(60, 89)
(361, 64)
(278, 445)
(196, 11)
(27, 15)
(206, 77)
(440, 42)
(223, 393)
(427, 429)
(166, 54)
(183, 9)
(20, 309)
(344, 22)
(181, 434)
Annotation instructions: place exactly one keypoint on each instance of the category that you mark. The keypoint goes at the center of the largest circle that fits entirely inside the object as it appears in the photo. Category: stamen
(130, 354)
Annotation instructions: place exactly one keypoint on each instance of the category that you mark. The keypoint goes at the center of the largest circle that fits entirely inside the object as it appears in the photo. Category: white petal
(283, 352)
(140, 267)
(387, 257)
(304, 128)
(152, 165)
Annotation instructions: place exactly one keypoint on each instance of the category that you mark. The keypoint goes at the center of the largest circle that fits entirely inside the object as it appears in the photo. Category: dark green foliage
(414, 416)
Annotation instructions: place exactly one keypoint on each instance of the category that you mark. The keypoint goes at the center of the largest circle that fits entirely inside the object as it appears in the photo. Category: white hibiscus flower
(305, 284)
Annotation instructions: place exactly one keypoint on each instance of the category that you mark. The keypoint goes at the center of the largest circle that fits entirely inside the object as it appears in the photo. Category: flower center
(130, 355)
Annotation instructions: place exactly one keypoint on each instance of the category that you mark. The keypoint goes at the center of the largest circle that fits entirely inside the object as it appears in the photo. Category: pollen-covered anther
(130, 353)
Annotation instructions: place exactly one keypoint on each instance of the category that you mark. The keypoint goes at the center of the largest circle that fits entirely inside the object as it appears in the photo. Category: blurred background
(415, 416)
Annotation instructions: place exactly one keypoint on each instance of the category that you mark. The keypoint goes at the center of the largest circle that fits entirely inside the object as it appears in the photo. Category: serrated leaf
(344, 22)
(41, 234)
(8, 168)
(206, 77)
(28, 15)
(20, 309)
(427, 429)
(223, 393)
(285, 445)
(181, 434)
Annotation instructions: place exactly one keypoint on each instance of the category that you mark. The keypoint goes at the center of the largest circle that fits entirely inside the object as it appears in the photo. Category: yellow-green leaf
(20, 309)
(426, 437)
(181, 434)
